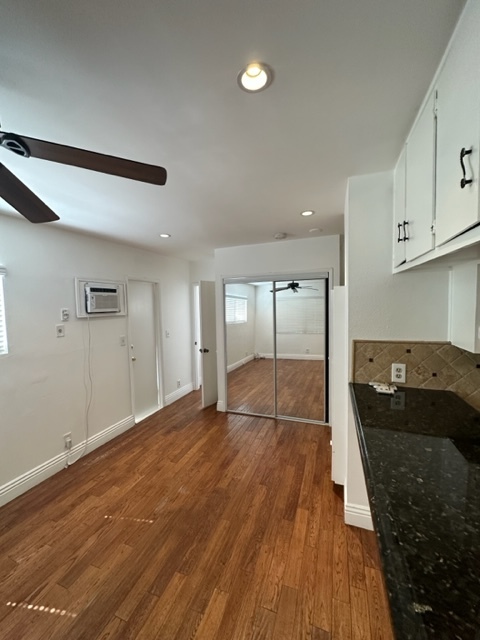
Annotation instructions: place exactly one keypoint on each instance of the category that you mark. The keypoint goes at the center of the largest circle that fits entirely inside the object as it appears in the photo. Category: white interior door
(143, 348)
(208, 338)
(339, 420)
(197, 356)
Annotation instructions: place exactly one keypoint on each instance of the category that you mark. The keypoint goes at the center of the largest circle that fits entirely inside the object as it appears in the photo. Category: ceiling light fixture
(308, 213)
(256, 76)
(165, 235)
(281, 235)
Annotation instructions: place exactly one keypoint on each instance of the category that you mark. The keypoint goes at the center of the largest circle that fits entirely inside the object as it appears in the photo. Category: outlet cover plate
(399, 372)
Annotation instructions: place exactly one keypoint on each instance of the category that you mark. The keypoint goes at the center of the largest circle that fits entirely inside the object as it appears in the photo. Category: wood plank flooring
(300, 388)
(194, 524)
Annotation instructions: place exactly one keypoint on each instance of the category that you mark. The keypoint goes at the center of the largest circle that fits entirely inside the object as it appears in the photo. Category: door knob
(133, 358)
(204, 350)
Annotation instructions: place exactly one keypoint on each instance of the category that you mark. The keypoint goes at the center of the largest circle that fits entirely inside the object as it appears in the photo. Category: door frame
(327, 275)
(158, 343)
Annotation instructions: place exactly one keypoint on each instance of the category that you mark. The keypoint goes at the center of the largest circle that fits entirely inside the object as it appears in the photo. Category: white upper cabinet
(414, 190)
(458, 128)
(420, 183)
(399, 211)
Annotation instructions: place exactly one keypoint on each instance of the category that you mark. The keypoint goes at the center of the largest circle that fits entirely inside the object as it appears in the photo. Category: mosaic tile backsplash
(430, 365)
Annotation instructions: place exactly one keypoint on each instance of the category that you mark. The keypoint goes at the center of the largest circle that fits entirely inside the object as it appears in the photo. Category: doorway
(276, 333)
(143, 347)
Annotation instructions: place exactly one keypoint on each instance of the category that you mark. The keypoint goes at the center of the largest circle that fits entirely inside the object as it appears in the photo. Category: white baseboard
(293, 356)
(221, 405)
(178, 393)
(240, 363)
(358, 516)
(31, 478)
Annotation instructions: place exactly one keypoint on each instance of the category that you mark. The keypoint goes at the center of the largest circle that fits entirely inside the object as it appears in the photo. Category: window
(235, 309)
(3, 326)
(300, 315)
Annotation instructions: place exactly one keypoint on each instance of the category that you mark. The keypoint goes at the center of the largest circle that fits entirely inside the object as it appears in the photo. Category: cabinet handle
(464, 152)
(399, 239)
(406, 235)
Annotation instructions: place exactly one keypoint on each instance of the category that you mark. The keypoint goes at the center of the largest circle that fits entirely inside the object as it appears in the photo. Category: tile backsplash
(430, 365)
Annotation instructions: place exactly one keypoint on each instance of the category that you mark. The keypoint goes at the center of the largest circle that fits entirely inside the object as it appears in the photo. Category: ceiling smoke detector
(280, 236)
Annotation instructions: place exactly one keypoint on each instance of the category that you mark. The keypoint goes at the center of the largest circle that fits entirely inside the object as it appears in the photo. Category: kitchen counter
(421, 456)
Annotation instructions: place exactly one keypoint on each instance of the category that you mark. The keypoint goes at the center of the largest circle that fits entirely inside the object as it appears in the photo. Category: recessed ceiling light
(256, 76)
(165, 235)
(305, 214)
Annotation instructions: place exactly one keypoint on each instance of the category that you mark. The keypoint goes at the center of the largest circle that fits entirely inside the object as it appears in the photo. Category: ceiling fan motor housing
(15, 143)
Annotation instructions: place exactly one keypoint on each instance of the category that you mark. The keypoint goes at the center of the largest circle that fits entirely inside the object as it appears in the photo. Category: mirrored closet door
(276, 344)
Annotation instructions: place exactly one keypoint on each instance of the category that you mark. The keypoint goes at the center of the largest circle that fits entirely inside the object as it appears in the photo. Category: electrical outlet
(178, 384)
(399, 372)
(307, 350)
(67, 438)
(60, 330)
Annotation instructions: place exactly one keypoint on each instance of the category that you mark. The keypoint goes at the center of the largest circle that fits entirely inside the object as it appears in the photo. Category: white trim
(221, 406)
(358, 515)
(31, 478)
(178, 393)
(240, 363)
(293, 356)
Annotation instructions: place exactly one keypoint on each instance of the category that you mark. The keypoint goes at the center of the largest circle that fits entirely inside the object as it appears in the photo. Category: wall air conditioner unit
(102, 297)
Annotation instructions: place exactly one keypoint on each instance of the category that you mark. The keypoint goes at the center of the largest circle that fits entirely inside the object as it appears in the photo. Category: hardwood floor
(194, 524)
(300, 388)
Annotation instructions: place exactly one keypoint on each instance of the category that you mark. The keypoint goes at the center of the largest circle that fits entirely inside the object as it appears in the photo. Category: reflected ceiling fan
(21, 198)
(294, 286)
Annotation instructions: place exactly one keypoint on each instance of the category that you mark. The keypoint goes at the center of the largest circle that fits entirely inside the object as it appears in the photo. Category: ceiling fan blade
(91, 160)
(19, 196)
(280, 289)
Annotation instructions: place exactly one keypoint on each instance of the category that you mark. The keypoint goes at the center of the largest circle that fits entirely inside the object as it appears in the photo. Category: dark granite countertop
(421, 455)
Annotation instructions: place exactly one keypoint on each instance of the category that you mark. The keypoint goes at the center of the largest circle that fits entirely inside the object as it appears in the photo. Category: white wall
(287, 257)
(42, 393)
(288, 344)
(407, 306)
(202, 270)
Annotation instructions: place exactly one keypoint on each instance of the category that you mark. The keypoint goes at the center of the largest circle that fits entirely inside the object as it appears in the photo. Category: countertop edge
(407, 624)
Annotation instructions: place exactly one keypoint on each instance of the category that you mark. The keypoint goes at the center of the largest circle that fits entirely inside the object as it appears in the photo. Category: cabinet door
(465, 306)
(420, 185)
(458, 127)
(399, 211)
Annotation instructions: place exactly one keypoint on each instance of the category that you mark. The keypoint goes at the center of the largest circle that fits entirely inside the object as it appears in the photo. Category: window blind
(301, 315)
(3, 326)
(235, 309)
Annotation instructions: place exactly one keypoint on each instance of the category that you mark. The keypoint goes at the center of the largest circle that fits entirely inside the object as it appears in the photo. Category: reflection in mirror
(300, 342)
(276, 359)
(249, 330)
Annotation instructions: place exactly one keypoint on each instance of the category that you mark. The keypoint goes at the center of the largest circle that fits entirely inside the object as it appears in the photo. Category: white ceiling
(155, 81)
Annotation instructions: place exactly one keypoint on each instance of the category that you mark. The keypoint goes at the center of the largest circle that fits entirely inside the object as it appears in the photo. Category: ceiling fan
(294, 286)
(21, 198)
